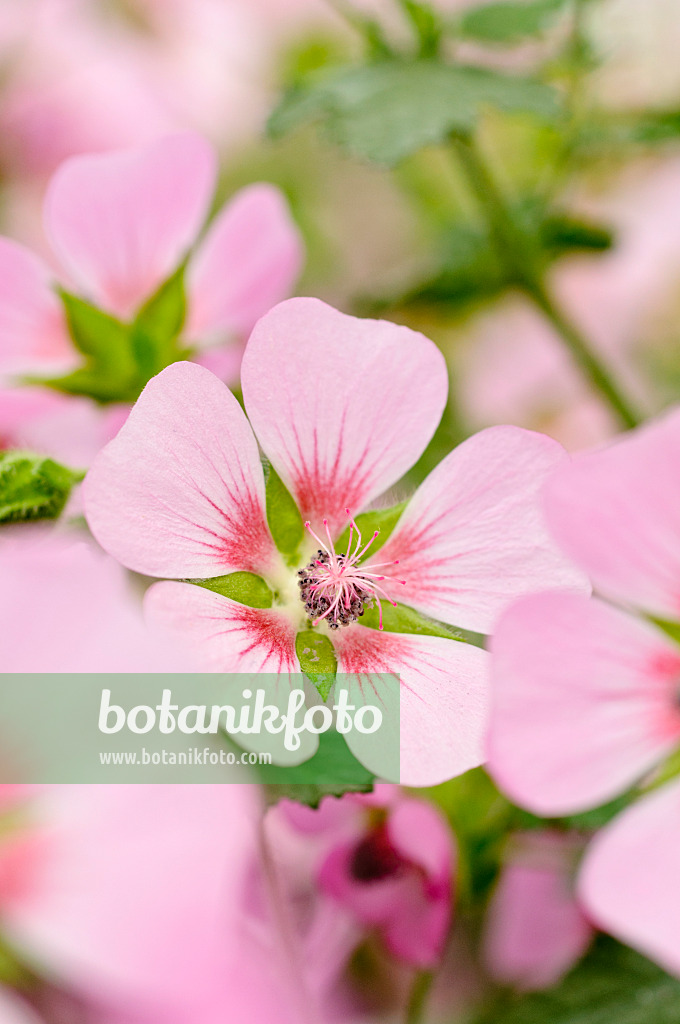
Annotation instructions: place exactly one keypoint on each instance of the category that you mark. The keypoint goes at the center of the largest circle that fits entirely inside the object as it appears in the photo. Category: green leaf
(509, 22)
(388, 110)
(283, 516)
(157, 327)
(317, 660)
(244, 587)
(612, 985)
(33, 487)
(384, 520)
(332, 771)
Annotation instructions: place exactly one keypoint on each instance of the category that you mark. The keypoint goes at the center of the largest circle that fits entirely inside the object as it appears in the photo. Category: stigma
(337, 587)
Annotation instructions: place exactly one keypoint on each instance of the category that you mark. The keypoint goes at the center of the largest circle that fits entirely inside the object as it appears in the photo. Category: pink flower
(69, 429)
(585, 701)
(156, 905)
(535, 930)
(388, 859)
(66, 607)
(131, 896)
(120, 224)
(342, 408)
(14, 1010)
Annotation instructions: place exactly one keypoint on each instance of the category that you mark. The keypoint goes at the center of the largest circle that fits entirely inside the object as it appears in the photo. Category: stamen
(335, 587)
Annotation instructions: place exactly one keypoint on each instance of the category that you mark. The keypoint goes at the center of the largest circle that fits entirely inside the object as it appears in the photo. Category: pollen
(338, 587)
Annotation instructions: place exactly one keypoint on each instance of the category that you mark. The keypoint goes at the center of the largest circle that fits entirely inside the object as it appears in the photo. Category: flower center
(336, 586)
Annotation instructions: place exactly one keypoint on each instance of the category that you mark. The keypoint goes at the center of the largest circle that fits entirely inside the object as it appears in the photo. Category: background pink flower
(122, 223)
(585, 700)
(535, 930)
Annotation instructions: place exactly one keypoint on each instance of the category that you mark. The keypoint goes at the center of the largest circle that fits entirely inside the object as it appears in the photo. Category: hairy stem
(418, 999)
(523, 260)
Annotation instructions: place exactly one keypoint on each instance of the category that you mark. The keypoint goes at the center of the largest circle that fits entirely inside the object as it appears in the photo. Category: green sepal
(392, 108)
(332, 771)
(403, 619)
(156, 328)
(384, 520)
(283, 516)
(244, 587)
(109, 373)
(120, 358)
(317, 660)
(33, 487)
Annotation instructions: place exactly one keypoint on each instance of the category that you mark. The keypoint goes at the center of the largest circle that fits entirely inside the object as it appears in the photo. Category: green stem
(418, 998)
(523, 261)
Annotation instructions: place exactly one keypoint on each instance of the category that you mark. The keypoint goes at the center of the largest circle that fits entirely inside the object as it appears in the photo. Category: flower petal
(342, 407)
(122, 222)
(180, 491)
(615, 511)
(67, 607)
(33, 333)
(473, 536)
(248, 261)
(228, 637)
(443, 700)
(584, 702)
(629, 877)
(535, 929)
(135, 890)
(14, 1010)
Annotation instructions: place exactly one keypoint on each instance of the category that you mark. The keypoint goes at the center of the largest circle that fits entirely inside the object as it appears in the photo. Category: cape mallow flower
(389, 860)
(342, 409)
(14, 1010)
(67, 607)
(120, 224)
(586, 691)
(535, 931)
(130, 896)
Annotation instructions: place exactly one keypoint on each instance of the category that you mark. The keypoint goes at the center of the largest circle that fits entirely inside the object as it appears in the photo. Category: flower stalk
(522, 258)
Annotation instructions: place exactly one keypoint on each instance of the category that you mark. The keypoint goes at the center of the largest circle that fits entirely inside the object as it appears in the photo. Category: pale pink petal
(535, 930)
(584, 702)
(616, 512)
(628, 880)
(443, 700)
(122, 222)
(227, 636)
(248, 261)
(473, 536)
(14, 1010)
(69, 429)
(180, 491)
(342, 407)
(66, 607)
(135, 890)
(33, 333)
